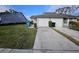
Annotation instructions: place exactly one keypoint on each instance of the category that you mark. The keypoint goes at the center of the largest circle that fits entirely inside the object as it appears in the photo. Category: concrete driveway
(73, 33)
(48, 39)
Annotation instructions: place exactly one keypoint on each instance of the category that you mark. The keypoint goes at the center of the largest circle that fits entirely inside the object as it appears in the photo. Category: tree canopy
(9, 11)
(67, 9)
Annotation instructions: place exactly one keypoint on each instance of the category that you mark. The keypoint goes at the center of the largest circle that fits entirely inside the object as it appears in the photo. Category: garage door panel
(43, 23)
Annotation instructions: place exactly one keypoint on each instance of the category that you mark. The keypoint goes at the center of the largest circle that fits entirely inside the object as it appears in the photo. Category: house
(12, 18)
(58, 20)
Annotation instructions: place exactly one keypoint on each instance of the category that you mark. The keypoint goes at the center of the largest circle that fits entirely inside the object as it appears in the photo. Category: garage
(42, 22)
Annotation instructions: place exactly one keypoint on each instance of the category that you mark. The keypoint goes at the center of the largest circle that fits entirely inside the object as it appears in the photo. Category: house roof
(52, 15)
(12, 18)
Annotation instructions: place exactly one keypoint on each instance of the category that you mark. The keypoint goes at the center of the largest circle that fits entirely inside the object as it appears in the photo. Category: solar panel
(12, 18)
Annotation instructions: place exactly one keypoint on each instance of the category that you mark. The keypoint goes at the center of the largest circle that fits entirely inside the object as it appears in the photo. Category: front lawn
(17, 36)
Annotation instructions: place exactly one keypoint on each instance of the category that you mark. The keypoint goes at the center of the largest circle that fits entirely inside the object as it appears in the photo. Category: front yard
(17, 36)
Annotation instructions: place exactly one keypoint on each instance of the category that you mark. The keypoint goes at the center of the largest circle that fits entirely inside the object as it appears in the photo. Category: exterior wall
(43, 22)
(72, 19)
(58, 21)
(68, 22)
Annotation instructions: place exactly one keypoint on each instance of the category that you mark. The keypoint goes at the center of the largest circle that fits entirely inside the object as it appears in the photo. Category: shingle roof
(52, 15)
(12, 18)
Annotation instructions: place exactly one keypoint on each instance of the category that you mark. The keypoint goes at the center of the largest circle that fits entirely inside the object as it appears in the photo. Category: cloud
(3, 8)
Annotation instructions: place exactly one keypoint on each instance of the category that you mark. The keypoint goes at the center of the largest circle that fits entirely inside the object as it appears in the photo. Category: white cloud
(3, 8)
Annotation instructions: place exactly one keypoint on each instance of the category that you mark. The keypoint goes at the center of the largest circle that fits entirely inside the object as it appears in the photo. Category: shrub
(35, 25)
(74, 25)
(50, 23)
(31, 22)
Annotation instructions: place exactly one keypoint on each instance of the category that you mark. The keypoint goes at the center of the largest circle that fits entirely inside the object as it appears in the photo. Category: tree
(6, 11)
(67, 10)
(12, 11)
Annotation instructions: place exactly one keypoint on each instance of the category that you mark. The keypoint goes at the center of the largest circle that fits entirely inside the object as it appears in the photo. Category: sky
(29, 10)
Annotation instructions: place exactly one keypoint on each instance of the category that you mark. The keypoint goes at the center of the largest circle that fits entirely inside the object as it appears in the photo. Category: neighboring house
(59, 20)
(12, 18)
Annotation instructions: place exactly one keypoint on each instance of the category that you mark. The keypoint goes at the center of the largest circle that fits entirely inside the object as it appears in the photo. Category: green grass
(68, 37)
(17, 36)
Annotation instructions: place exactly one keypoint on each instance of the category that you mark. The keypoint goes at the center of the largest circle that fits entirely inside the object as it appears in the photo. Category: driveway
(70, 32)
(48, 39)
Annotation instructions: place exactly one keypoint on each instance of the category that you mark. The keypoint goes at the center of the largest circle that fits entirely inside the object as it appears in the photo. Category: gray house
(60, 20)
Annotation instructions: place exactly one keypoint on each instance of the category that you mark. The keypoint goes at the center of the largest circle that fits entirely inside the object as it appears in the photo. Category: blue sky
(29, 10)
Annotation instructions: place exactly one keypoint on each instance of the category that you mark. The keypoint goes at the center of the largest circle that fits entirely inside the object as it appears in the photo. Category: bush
(31, 22)
(35, 25)
(50, 23)
(74, 25)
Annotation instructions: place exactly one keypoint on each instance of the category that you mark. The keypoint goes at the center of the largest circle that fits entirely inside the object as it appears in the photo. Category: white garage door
(42, 22)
